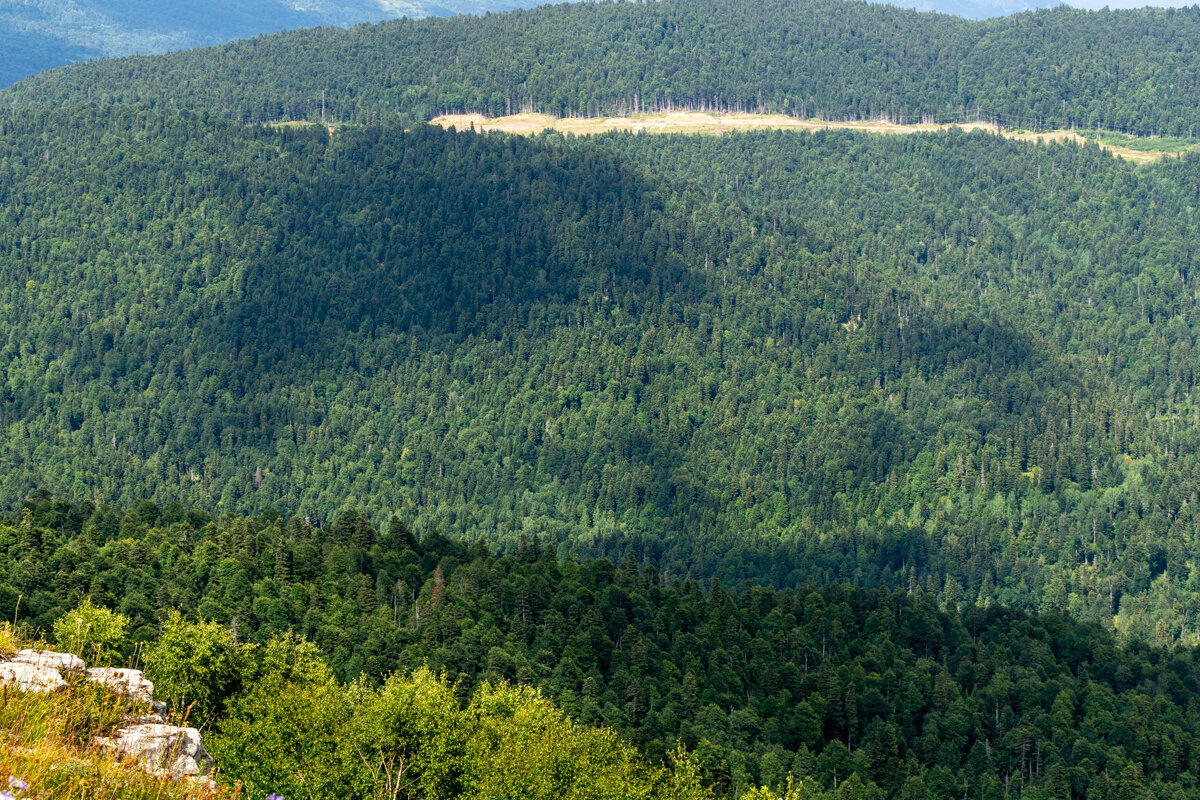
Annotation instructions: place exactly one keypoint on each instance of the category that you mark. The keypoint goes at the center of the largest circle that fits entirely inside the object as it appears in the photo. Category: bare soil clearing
(718, 124)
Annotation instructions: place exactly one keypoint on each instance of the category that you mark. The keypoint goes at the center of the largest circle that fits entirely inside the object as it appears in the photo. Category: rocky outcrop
(163, 749)
(130, 682)
(39, 670)
(178, 752)
(63, 662)
(30, 677)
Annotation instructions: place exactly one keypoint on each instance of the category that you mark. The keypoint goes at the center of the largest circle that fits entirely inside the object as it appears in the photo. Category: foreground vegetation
(335, 659)
(279, 722)
(47, 748)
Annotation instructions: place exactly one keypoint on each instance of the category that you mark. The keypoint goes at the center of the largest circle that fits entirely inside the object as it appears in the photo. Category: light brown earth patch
(719, 124)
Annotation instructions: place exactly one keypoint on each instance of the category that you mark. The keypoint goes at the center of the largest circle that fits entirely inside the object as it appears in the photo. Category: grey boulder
(130, 682)
(177, 752)
(30, 677)
(63, 662)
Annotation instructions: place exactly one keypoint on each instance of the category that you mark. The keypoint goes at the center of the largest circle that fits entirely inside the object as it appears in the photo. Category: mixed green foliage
(284, 724)
(98, 634)
(855, 693)
(1133, 71)
(294, 730)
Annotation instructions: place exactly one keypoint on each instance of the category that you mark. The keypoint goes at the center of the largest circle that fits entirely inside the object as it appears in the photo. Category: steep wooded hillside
(928, 402)
(1133, 71)
(952, 362)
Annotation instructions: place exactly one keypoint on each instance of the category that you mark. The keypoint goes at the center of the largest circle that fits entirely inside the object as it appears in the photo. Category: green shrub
(297, 732)
(98, 635)
(284, 729)
(196, 666)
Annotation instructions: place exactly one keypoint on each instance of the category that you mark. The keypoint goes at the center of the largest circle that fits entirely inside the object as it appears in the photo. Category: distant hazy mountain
(40, 34)
(979, 9)
(984, 9)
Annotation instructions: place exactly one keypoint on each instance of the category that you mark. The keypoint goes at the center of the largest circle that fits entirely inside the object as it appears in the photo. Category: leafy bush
(303, 734)
(284, 728)
(195, 666)
(98, 635)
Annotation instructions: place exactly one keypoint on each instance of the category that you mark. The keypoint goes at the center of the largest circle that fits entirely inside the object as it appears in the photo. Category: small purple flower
(7, 796)
(18, 784)
(271, 796)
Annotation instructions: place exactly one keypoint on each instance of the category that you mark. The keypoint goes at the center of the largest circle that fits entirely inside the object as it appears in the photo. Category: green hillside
(950, 362)
(38, 35)
(843, 465)
(1131, 71)
(863, 694)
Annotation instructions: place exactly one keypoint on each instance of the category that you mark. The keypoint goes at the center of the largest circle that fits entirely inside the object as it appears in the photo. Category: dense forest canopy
(1133, 71)
(951, 362)
(877, 694)
(867, 460)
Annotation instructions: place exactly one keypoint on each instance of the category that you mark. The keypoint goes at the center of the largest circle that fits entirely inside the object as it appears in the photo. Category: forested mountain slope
(949, 362)
(911, 398)
(880, 694)
(1134, 71)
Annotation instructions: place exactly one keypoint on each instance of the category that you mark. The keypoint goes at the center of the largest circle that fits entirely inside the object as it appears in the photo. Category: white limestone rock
(63, 662)
(27, 677)
(174, 751)
(129, 682)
